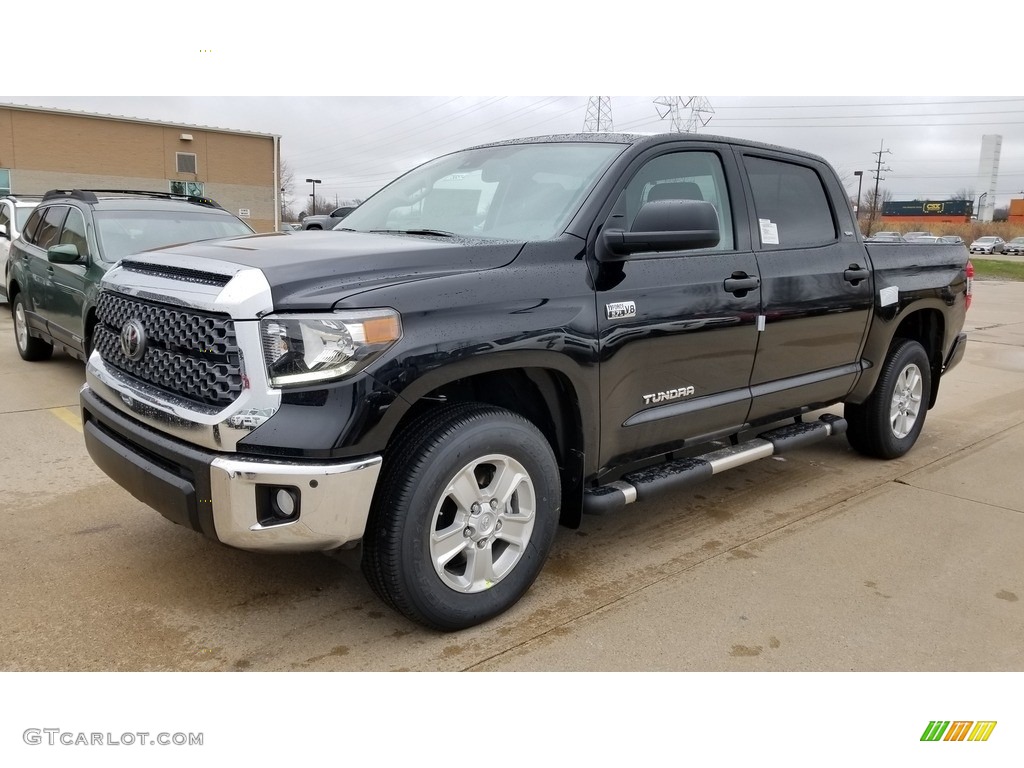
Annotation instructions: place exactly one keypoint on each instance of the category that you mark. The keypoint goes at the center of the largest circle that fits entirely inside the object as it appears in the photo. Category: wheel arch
(925, 325)
(546, 397)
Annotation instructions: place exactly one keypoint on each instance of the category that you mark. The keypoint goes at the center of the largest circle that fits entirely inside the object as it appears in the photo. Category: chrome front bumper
(226, 496)
(334, 503)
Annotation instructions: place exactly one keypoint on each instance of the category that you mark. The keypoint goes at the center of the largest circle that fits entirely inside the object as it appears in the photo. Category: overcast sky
(357, 141)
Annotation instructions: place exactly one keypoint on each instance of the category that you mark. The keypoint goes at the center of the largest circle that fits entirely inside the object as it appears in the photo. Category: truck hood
(314, 270)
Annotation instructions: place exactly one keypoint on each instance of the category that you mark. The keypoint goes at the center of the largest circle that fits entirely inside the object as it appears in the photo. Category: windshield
(510, 192)
(121, 233)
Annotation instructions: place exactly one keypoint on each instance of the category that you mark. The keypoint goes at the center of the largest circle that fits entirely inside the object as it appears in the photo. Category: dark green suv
(73, 237)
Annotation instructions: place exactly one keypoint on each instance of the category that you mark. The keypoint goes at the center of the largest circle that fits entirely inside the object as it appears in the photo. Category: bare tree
(873, 205)
(322, 206)
(963, 194)
(287, 179)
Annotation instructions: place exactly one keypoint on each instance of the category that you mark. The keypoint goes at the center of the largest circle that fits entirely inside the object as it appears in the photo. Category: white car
(988, 244)
(14, 211)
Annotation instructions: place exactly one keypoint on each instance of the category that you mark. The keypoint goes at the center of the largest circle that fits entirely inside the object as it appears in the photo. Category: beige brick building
(42, 149)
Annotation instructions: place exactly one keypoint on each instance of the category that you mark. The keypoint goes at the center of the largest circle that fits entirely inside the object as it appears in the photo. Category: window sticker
(769, 232)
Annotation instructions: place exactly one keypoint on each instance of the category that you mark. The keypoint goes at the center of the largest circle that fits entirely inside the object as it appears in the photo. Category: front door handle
(855, 273)
(739, 283)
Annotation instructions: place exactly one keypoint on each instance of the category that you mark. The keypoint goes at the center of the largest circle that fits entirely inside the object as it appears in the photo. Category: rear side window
(48, 230)
(29, 230)
(791, 204)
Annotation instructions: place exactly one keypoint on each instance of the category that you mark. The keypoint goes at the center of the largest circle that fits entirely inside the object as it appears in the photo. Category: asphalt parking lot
(819, 560)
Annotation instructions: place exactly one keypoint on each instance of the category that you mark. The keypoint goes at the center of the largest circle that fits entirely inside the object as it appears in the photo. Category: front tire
(888, 423)
(29, 347)
(464, 516)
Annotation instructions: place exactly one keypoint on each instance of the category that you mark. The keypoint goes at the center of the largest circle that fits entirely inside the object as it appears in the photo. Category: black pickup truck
(506, 338)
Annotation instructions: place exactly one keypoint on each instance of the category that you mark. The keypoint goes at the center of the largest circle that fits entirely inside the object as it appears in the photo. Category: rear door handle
(740, 282)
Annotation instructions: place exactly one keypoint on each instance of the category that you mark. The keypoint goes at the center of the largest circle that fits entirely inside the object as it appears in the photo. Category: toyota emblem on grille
(133, 340)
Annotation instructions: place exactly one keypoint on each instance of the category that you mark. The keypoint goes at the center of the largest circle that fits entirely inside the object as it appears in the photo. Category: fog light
(277, 504)
(286, 502)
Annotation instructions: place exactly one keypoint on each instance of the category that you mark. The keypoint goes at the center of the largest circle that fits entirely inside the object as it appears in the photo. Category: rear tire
(464, 516)
(888, 423)
(29, 347)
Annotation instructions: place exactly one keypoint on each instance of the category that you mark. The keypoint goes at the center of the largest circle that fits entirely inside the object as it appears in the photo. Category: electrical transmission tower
(599, 115)
(699, 115)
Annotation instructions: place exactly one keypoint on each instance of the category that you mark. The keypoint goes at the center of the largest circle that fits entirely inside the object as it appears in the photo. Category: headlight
(305, 349)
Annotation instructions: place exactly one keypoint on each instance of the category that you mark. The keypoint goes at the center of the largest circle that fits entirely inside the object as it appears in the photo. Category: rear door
(677, 330)
(816, 286)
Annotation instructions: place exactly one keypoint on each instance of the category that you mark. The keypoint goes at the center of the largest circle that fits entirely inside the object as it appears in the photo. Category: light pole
(860, 181)
(314, 182)
(981, 209)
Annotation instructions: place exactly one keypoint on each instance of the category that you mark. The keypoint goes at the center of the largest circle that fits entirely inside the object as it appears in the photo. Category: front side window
(74, 232)
(510, 192)
(5, 181)
(689, 175)
(791, 203)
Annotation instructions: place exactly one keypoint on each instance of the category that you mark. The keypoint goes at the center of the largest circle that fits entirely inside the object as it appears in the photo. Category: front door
(68, 282)
(677, 330)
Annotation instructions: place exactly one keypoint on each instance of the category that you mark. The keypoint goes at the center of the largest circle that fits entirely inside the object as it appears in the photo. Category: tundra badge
(672, 394)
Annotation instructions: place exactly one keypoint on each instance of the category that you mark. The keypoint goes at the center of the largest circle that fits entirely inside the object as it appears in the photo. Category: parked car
(14, 212)
(1014, 246)
(914, 235)
(888, 234)
(988, 244)
(932, 239)
(70, 241)
(885, 237)
(952, 240)
(329, 221)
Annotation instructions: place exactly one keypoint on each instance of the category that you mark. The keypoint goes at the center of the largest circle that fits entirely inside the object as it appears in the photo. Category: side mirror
(664, 226)
(63, 254)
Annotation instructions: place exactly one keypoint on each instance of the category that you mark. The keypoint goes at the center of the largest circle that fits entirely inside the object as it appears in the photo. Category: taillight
(970, 285)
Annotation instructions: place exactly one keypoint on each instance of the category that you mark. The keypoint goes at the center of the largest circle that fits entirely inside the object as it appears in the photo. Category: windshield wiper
(435, 232)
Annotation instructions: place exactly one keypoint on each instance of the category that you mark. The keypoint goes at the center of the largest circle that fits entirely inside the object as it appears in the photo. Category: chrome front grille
(191, 353)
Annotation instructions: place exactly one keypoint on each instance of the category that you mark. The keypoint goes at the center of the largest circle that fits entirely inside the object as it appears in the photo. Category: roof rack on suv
(89, 195)
(75, 194)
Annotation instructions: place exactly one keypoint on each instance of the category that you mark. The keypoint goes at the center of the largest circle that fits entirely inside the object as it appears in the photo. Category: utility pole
(860, 180)
(879, 170)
